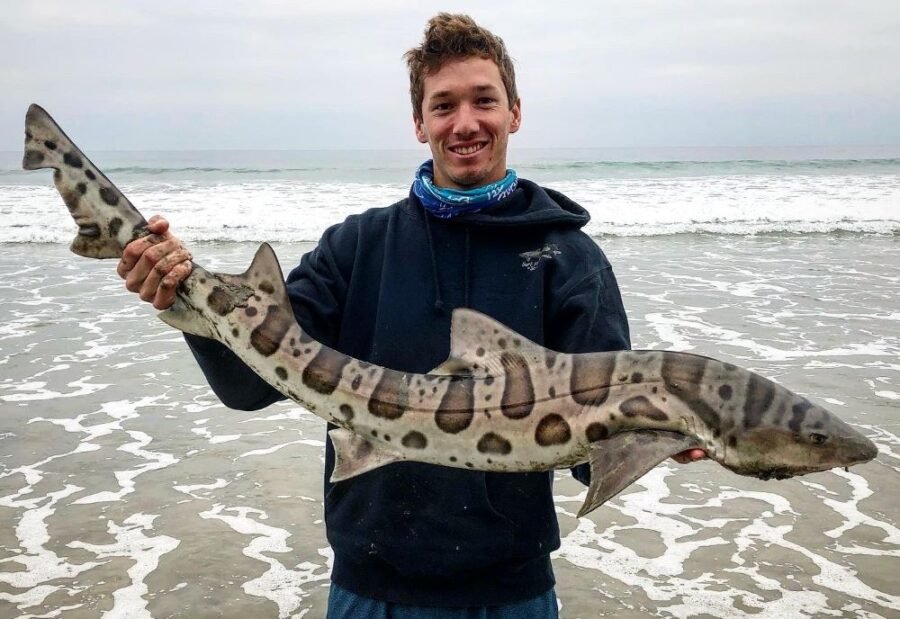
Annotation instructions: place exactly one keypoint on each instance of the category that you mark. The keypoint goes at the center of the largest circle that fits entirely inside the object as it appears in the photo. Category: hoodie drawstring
(438, 301)
(438, 298)
(466, 276)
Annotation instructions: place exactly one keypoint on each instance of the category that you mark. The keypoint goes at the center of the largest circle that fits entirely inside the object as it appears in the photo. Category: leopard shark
(499, 403)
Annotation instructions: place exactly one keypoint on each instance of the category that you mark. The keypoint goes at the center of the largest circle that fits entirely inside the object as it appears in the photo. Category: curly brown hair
(451, 37)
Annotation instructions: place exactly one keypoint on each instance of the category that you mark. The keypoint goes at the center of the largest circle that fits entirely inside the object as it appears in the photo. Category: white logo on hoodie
(531, 259)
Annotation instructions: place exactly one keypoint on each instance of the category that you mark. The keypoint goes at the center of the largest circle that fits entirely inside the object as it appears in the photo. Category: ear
(516, 116)
(420, 130)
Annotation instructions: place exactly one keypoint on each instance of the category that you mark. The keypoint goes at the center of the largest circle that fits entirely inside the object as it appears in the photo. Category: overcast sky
(329, 74)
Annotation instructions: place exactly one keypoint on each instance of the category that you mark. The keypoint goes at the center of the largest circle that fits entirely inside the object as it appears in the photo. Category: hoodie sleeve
(590, 317)
(316, 289)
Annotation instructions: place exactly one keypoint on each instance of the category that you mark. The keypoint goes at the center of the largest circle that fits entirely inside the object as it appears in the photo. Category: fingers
(153, 266)
(158, 225)
(161, 282)
(691, 455)
(159, 228)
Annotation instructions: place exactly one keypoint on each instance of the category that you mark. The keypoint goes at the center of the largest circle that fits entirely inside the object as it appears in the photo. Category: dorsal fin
(263, 281)
(478, 343)
(264, 273)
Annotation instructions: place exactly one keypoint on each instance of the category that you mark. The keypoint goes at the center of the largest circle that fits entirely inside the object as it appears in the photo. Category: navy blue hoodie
(381, 287)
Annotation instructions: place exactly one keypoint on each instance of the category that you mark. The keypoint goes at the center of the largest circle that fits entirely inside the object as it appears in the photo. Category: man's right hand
(154, 265)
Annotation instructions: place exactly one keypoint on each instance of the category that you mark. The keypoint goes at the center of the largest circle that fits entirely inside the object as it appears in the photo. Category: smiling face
(466, 121)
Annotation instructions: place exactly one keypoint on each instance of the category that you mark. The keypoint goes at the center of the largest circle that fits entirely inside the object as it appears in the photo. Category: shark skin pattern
(500, 402)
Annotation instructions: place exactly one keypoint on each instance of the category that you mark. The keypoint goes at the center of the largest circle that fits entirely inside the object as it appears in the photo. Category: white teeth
(467, 150)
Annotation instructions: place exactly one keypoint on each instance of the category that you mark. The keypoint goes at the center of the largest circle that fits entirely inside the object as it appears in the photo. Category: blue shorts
(343, 604)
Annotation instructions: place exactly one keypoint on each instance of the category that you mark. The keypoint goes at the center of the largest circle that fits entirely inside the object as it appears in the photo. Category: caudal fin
(106, 219)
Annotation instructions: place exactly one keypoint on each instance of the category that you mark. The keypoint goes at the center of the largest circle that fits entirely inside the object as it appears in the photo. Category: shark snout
(863, 450)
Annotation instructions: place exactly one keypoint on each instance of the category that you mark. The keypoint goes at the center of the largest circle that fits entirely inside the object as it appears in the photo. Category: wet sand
(128, 490)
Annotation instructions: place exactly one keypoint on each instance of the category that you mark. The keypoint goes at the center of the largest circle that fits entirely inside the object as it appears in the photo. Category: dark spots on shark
(89, 230)
(549, 359)
(235, 332)
(552, 430)
(220, 301)
(323, 373)
(479, 351)
(492, 443)
(115, 224)
(725, 392)
(388, 399)
(266, 337)
(33, 158)
(356, 382)
(654, 390)
(72, 160)
(72, 200)
(414, 440)
(90, 174)
(281, 373)
(82, 188)
(453, 458)
(501, 343)
(50, 144)
(637, 377)
(596, 432)
(683, 376)
(251, 311)
(347, 411)
(457, 408)
(517, 401)
(469, 465)
(551, 392)
(760, 395)
(109, 195)
(732, 441)
(267, 287)
(296, 352)
(798, 414)
(374, 433)
(488, 380)
(590, 378)
(640, 406)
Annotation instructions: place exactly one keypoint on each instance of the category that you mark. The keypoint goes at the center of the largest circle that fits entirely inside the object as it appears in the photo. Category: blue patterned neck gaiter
(446, 203)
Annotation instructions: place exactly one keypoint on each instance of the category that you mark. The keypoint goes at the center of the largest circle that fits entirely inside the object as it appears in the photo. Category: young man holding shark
(413, 539)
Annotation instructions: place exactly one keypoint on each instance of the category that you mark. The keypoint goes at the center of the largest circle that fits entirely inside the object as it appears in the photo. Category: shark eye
(818, 439)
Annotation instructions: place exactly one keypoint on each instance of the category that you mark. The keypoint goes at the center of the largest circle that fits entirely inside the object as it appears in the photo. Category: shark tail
(106, 220)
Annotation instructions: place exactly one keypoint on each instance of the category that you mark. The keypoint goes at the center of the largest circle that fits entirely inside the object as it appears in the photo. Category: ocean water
(219, 196)
(127, 490)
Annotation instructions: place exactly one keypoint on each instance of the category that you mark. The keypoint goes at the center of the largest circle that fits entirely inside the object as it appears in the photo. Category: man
(411, 539)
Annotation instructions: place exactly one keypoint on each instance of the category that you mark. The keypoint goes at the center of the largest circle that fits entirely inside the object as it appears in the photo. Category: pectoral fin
(354, 455)
(618, 461)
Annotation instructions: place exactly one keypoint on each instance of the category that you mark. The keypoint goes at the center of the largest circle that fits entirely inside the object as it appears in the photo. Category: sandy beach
(128, 490)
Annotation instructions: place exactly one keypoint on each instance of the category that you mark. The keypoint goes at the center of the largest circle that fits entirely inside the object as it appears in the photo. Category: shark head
(801, 438)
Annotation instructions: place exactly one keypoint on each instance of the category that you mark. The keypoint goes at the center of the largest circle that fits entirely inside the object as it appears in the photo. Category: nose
(466, 121)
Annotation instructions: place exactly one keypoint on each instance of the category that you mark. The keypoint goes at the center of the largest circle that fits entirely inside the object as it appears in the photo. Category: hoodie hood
(529, 205)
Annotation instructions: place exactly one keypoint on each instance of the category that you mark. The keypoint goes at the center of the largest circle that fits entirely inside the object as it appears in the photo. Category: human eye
(441, 107)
